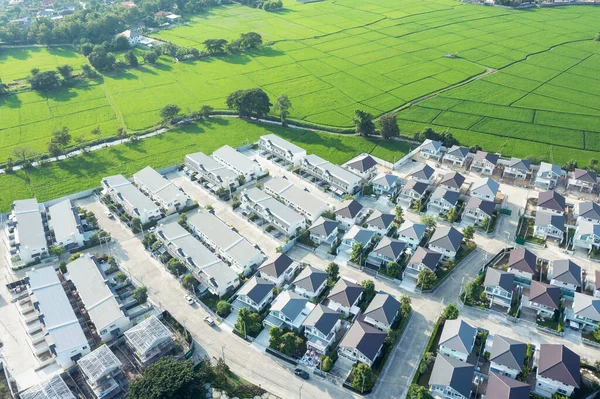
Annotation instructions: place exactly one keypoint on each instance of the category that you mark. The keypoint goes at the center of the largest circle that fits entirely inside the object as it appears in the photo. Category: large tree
(250, 40)
(389, 126)
(168, 379)
(47, 80)
(283, 105)
(369, 291)
(215, 46)
(169, 111)
(249, 103)
(65, 70)
(364, 123)
(426, 279)
(362, 377)
(418, 392)
(131, 59)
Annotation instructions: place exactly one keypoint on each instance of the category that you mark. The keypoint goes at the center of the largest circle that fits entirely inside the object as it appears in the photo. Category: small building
(50, 388)
(502, 387)
(380, 223)
(289, 310)
(27, 237)
(587, 235)
(340, 180)
(274, 212)
(363, 165)
(585, 312)
(549, 225)
(387, 250)
(149, 341)
(452, 181)
(279, 271)
(446, 240)
(587, 210)
(101, 369)
(362, 343)
(499, 287)
(558, 371)
(582, 180)
(382, 311)
(303, 202)
(423, 258)
(345, 296)
(170, 197)
(548, 175)
(324, 231)
(457, 339)
(256, 294)
(543, 298)
(350, 213)
(133, 201)
(431, 149)
(310, 282)
(321, 328)
(522, 263)
(551, 202)
(565, 274)
(484, 163)
(385, 184)
(478, 209)
(357, 235)
(238, 163)
(217, 175)
(65, 225)
(507, 356)
(485, 189)
(413, 190)
(442, 200)
(517, 169)
(423, 173)
(132, 35)
(456, 156)
(282, 149)
(411, 233)
(450, 378)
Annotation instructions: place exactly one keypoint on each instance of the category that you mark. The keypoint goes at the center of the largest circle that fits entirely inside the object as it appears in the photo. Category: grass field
(83, 172)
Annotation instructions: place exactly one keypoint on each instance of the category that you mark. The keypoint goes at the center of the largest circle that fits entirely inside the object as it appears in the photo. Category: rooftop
(499, 278)
(323, 227)
(349, 209)
(544, 294)
(383, 308)
(256, 288)
(458, 335)
(362, 163)
(129, 193)
(322, 318)
(98, 363)
(310, 278)
(283, 144)
(451, 372)
(567, 271)
(345, 292)
(276, 267)
(559, 363)
(337, 171)
(587, 306)
(52, 388)
(366, 339)
(550, 219)
(236, 159)
(427, 257)
(63, 220)
(503, 387)
(508, 352)
(295, 195)
(30, 227)
(551, 200)
(145, 335)
(446, 237)
(286, 214)
(453, 179)
(158, 186)
(523, 260)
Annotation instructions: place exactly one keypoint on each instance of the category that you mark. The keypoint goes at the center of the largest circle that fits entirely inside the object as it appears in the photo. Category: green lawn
(84, 172)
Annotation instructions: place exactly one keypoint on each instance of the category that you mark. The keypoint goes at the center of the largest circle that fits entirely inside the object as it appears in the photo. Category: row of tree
(245, 42)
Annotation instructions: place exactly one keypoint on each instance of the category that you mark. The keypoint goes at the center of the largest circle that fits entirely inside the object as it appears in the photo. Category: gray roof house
(457, 339)
(586, 311)
(387, 250)
(451, 377)
(288, 309)
(431, 149)
(549, 225)
(356, 235)
(557, 363)
(382, 311)
(256, 293)
(565, 273)
(507, 356)
(522, 262)
(442, 200)
(517, 168)
(413, 190)
(363, 165)
(452, 181)
(344, 296)
(479, 209)
(551, 202)
(362, 343)
(324, 230)
(300, 200)
(485, 189)
(456, 155)
(349, 212)
(320, 327)
(582, 180)
(423, 258)
(385, 183)
(279, 270)
(484, 162)
(310, 282)
(411, 233)
(503, 387)
(548, 175)
(499, 286)
(587, 210)
(544, 298)
(423, 173)
(379, 222)
(446, 240)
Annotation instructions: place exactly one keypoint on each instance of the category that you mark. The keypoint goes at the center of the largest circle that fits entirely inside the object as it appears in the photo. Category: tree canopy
(47, 80)
(167, 379)
(364, 123)
(249, 103)
(389, 126)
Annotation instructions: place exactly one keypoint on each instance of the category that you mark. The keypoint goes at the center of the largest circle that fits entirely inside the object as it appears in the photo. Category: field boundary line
(113, 105)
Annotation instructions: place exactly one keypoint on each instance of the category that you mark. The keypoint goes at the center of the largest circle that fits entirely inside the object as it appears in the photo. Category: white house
(452, 181)
(345, 296)
(431, 149)
(324, 231)
(279, 271)
(133, 201)
(256, 294)
(321, 328)
(587, 235)
(423, 173)
(587, 210)
(382, 311)
(548, 175)
(289, 310)
(446, 240)
(507, 356)
(362, 343)
(457, 339)
(411, 233)
(26, 231)
(413, 191)
(340, 180)
(456, 156)
(282, 149)
(380, 223)
(356, 235)
(558, 371)
(363, 165)
(65, 225)
(350, 213)
(484, 163)
(387, 250)
(170, 197)
(582, 180)
(549, 225)
(585, 311)
(477, 209)
(517, 168)
(451, 378)
(238, 163)
(442, 200)
(423, 258)
(217, 175)
(385, 184)
(499, 287)
(133, 36)
(565, 274)
(280, 216)
(551, 202)
(300, 200)
(485, 189)
(543, 298)
(310, 282)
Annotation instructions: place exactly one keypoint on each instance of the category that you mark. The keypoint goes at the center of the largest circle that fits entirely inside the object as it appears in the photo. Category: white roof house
(65, 224)
(149, 339)
(229, 244)
(30, 236)
(335, 175)
(161, 190)
(237, 162)
(279, 215)
(136, 204)
(52, 388)
(211, 170)
(99, 367)
(100, 302)
(296, 198)
(282, 148)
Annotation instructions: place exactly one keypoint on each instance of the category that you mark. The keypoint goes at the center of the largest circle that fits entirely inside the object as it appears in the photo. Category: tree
(405, 305)
(389, 126)
(283, 105)
(429, 221)
(474, 148)
(570, 165)
(326, 363)
(56, 250)
(399, 219)
(81, 142)
(3, 88)
(175, 267)
(183, 220)
(88, 72)
(223, 308)
(241, 180)
(275, 334)
(362, 378)
(121, 43)
(250, 40)
(356, 254)
(189, 282)
(168, 378)
(150, 58)
(369, 291)
(426, 279)
(47, 80)
(25, 155)
(65, 71)
(205, 111)
(485, 223)
(452, 215)
(136, 225)
(418, 392)
(215, 46)
(597, 333)
(96, 131)
(249, 103)
(169, 111)
(59, 141)
(450, 312)
(140, 294)
(364, 123)
(122, 133)
(393, 269)
(248, 323)
(333, 273)
(131, 59)
(469, 233)
(289, 343)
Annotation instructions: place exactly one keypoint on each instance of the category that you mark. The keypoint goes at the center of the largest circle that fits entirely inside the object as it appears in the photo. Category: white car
(209, 320)
(109, 215)
(189, 299)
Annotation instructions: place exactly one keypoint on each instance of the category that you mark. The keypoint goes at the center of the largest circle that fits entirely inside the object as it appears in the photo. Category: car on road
(302, 374)
(151, 229)
(209, 320)
(189, 299)
(109, 215)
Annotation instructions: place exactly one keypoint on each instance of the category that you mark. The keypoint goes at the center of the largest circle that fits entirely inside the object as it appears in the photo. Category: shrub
(223, 308)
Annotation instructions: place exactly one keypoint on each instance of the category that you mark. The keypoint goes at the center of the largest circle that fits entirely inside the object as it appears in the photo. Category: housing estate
(170, 197)
(133, 201)
(280, 216)
(303, 202)
(282, 149)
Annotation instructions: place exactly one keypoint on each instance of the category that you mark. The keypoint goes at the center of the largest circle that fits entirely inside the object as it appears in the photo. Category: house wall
(453, 354)
(122, 324)
(445, 253)
(377, 324)
(503, 370)
(445, 392)
(546, 387)
(63, 358)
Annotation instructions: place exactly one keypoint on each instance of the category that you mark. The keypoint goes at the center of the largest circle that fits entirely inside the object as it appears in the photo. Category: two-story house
(411, 233)
(256, 294)
(585, 312)
(289, 310)
(548, 175)
(349, 213)
(356, 235)
(442, 200)
(485, 189)
(281, 217)
(551, 202)
(587, 235)
(507, 356)
(162, 191)
(456, 155)
(65, 225)
(484, 163)
(446, 240)
(216, 175)
(363, 165)
(387, 250)
(345, 296)
(517, 169)
(582, 180)
(452, 181)
(413, 191)
(477, 210)
(310, 282)
(385, 184)
(321, 328)
(133, 201)
(558, 371)
(380, 223)
(549, 225)
(450, 378)
(423, 173)
(238, 163)
(431, 149)
(503, 387)
(362, 343)
(457, 339)
(324, 231)
(587, 210)
(26, 231)
(543, 298)
(300, 200)
(421, 259)
(565, 274)
(523, 264)
(340, 179)
(282, 149)
(279, 271)
(382, 311)
(499, 287)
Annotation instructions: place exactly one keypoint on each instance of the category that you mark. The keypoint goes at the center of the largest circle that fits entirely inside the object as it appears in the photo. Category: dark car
(302, 374)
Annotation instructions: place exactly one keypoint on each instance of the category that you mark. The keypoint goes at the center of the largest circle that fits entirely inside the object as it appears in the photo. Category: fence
(550, 331)
(591, 343)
